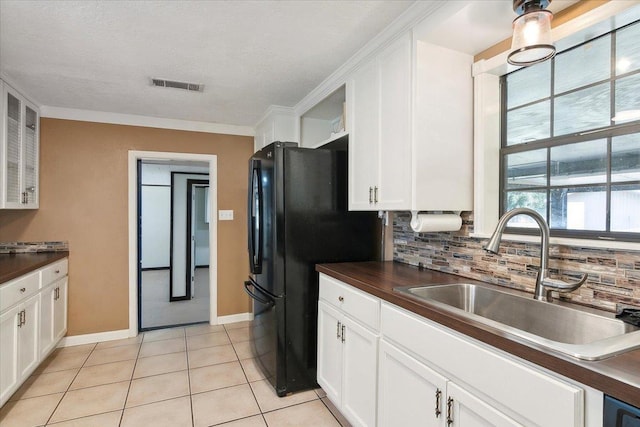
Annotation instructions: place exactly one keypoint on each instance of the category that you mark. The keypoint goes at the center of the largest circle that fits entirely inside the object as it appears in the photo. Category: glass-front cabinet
(19, 151)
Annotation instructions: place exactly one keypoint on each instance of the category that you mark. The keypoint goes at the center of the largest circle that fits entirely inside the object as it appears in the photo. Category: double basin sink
(581, 334)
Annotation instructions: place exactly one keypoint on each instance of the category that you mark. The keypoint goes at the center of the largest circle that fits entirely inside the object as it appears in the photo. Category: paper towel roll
(421, 223)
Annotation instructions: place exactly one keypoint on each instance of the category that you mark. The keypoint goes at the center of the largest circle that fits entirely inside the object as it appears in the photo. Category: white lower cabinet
(425, 374)
(412, 394)
(33, 319)
(54, 315)
(19, 342)
(348, 355)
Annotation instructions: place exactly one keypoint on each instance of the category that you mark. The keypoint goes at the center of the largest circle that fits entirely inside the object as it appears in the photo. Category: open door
(197, 230)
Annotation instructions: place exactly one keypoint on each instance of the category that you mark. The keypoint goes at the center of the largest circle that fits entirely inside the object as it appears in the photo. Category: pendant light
(531, 41)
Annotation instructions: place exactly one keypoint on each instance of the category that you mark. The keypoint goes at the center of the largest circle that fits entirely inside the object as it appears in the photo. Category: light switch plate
(225, 215)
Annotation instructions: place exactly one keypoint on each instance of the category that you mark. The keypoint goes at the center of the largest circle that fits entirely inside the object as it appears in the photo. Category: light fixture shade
(531, 41)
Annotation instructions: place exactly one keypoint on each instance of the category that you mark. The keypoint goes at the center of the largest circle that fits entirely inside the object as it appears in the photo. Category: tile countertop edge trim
(576, 370)
(38, 261)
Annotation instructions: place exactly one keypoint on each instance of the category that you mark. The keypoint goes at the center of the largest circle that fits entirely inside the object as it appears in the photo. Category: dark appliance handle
(256, 297)
(255, 207)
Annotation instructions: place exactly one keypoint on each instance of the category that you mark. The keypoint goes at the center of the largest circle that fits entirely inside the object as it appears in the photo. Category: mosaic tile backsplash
(613, 275)
(32, 247)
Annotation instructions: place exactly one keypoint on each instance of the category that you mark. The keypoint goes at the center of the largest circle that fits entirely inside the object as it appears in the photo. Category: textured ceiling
(101, 55)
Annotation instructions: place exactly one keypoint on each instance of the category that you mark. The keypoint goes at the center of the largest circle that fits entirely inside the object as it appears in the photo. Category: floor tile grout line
(74, 378)
(124, 405)
(79, 418)
(193, 420)
(330, 411)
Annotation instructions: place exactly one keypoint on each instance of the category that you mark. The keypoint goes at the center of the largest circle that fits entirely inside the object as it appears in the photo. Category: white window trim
(486, 134)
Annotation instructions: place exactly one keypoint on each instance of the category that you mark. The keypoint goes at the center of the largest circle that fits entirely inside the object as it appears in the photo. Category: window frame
(605, 132)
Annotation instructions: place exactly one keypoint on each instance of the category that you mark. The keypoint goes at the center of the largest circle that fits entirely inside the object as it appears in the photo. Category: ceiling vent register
(195, 87)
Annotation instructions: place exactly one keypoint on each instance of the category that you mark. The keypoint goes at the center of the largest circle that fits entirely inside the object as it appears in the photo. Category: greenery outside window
(564, 152)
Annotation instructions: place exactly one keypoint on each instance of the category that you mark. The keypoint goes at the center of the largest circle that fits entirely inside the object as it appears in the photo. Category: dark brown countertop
(15, 265)
(617, 376)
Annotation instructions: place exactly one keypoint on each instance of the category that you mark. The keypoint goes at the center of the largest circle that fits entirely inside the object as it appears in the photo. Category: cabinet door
(394, 176)
(13, 151)
(9, 347)
(363, 124)
(30, 156)
(469, 411)
(60, 310)
(28, 355)
(330, 352)
(360, 360)
(47, 303)
(409, 393)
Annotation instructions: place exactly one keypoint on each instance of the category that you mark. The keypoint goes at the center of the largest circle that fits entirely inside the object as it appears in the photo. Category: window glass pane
(625, 158)
(579, 208)
(625, 205)
(582, 163)
(628, 49)
(628, 95)
(536, 200)
(526, 169)
(528, 123)
(583, 65)
(529, 84)
(582, 110)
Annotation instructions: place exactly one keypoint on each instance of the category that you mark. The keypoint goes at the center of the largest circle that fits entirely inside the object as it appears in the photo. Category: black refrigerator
(298, 217)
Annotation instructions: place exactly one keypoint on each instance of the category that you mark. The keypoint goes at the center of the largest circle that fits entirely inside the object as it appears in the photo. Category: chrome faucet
(544, 283)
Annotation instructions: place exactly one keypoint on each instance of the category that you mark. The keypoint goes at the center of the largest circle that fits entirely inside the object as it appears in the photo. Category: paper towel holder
(435, 221)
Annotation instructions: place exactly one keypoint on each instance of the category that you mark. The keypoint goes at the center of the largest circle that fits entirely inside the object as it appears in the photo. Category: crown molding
(416, 13)
(275, 109)
(144, 121)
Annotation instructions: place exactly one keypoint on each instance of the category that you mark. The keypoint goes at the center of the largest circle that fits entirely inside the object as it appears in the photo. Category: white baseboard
(93, 338)
(124, 333)
(232, 318)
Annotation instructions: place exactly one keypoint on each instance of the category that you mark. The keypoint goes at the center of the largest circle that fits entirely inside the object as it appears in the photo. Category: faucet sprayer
(544, 283)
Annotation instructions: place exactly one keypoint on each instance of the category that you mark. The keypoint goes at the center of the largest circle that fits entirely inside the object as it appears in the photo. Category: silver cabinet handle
(343, 333)
(341, 298)
(449, 411)
(375, 194)
(438, 396)
(23, 289)
(22, 318)
(370, 195)
(57, 271)
(338, 330)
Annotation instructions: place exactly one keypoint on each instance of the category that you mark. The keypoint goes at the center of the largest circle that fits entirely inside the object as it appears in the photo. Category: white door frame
(212, 160)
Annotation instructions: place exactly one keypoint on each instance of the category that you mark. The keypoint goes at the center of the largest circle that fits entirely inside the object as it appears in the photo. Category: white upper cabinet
(378, 120)
(409, 116)
(278, 124)
(19, 149)
(442, 128)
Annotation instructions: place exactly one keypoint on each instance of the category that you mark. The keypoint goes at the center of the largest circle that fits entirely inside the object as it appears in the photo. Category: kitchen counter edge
(16, 265)
(617, 376)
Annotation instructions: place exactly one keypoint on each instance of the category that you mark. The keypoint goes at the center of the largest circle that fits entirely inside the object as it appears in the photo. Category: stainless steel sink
(578, 333)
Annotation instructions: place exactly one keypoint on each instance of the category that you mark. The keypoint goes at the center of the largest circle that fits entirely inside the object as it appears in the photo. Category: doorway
(157, 305)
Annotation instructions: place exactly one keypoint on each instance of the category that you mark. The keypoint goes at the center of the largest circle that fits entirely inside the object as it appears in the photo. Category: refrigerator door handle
(264, 301)
(255, 225)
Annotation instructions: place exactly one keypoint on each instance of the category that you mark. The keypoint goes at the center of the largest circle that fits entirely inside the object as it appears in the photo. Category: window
(570, 144)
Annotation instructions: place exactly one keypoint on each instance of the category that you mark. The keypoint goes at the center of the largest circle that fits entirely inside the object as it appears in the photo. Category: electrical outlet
(225, 215)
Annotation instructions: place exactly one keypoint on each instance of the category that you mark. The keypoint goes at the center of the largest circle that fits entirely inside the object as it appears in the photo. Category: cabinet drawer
(506, 383)
(53, 272)
(18, 289)
(355, 303)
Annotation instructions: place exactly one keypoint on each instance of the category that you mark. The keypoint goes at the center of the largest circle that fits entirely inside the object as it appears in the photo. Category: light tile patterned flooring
(195, 376)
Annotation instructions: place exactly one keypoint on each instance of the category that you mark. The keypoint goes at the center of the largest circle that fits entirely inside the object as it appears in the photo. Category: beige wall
(83, 200)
